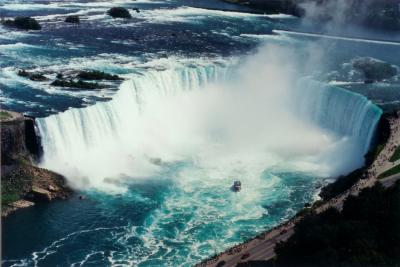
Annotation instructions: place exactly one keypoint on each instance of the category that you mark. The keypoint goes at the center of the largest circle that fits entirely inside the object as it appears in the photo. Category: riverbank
(261, 247)
(22, 183)
(378, 15)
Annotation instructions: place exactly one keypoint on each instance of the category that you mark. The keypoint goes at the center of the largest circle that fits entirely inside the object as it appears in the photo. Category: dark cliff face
(19, 140)
(22, 183)
(32, 139)
(13, 141)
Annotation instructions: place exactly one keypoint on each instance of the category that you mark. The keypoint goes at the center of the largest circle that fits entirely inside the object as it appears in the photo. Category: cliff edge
(23, 183)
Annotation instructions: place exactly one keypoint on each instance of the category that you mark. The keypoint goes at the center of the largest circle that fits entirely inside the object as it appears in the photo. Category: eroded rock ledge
(23, 183)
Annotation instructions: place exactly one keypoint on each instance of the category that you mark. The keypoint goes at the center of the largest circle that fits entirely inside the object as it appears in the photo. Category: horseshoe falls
(208, 97)
(172, 141)
(146, 117)
(171, 116)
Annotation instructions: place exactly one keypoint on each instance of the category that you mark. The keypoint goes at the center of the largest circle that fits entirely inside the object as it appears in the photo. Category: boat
(237, 186)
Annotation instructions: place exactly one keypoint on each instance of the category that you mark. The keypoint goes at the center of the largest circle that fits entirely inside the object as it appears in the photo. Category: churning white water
(226, 120)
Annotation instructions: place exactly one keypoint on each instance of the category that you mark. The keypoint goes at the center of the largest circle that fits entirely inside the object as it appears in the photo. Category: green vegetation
(396, 155)
(76, 84)
(365, 233)
(390, 172)
(8, 198)
(4, 115)
(12, 187)
(23, 23)
(97, 75)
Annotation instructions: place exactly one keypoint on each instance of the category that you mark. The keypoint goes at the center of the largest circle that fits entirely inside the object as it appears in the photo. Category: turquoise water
(151, 224)
(156, 163)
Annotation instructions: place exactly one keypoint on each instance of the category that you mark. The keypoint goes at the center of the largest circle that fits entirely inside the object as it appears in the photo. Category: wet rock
(23, 73)
(73, 19)
(22, 204)
(52, 188)
(37, 77)
(38, 194)
(374, 69)
(23, 23)
(119, 12)
(19, 204)
(76, 84)
(32, 76)
(97, 75)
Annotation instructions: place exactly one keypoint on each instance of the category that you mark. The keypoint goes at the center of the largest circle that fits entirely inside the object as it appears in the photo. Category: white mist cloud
(240, 127)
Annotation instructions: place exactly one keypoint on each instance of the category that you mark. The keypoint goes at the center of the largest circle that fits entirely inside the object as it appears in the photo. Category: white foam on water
(29, 6)
(314, 35)
(281, 16)
(190, 14)
(175, 115)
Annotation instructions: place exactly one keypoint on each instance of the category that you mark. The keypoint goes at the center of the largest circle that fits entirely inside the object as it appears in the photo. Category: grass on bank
(390, 172)
(4, 115)
(396, 155)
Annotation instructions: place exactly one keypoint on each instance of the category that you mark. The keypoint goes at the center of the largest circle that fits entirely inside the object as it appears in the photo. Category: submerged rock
(119, 12)
(73, 19)
(374, 69)
(23, 23)
(97, 75)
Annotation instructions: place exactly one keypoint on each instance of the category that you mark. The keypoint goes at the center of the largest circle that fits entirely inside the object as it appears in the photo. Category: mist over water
(191, 129)
(236, 121)
(156, 163)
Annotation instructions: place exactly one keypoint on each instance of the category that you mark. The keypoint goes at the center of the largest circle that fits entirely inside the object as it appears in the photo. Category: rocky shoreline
(22, 183)
(374, 14)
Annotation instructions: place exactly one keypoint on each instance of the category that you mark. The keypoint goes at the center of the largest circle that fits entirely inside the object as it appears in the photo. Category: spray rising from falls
(195, 117)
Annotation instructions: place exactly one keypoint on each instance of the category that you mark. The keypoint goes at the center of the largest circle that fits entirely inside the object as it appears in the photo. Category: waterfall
(339, 110)
(76, 135)
(158, 117)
